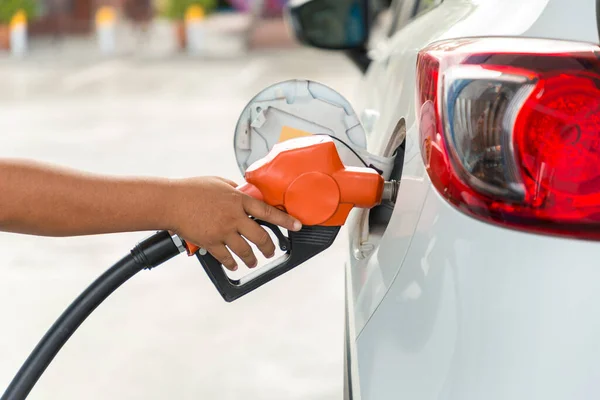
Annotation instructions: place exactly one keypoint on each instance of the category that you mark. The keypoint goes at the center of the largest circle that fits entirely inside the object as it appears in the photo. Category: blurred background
(155, 87)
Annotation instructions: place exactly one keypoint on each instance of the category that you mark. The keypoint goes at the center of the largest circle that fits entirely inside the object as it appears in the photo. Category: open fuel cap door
(294, 108)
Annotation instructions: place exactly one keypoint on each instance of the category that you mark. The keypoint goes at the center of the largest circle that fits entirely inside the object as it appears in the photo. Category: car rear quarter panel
(388, 92)
(482, 312)
(448, 307)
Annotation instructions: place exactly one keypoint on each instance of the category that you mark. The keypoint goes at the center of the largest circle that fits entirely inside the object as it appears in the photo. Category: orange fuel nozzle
(306, 178)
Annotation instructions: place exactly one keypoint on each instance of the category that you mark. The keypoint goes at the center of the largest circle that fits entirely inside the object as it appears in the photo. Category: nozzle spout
(390, 191)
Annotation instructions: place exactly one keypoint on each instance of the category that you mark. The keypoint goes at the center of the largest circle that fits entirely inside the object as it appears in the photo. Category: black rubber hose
(148, 254)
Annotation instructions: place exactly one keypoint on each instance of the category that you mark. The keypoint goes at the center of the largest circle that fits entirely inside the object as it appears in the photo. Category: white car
(483, 280)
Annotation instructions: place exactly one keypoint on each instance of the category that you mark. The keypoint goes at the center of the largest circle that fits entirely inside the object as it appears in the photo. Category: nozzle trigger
(299, 247)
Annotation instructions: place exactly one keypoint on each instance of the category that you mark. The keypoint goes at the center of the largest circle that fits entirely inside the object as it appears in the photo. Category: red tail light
(510, 130)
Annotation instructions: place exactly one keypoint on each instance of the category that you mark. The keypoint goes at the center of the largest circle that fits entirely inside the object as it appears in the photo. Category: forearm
(51, 201)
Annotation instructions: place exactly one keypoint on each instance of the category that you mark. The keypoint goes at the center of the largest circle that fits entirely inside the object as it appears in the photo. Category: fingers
(242, 249)
(223, 256)
(263, 211)
(239, 246)
(259, 236)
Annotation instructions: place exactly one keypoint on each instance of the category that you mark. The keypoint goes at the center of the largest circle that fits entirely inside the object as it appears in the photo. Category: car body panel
(389, 89)
(479, 311)
(448, 307)
(387, 93)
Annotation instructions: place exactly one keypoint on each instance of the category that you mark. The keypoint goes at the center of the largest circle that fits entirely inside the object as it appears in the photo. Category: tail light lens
(510, 130)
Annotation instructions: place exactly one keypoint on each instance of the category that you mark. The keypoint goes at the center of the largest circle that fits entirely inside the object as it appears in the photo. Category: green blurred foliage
(175, 9)
(8, 8)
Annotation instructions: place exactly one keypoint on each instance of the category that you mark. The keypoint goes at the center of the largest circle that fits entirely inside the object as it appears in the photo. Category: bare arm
(51, 201)
(46, 200)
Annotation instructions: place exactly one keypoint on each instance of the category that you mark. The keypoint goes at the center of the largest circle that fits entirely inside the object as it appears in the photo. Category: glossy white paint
(481, 312)
(389, 89)
(447, 307)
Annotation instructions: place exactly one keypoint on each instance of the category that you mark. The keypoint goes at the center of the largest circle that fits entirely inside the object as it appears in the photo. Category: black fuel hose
(146, 255)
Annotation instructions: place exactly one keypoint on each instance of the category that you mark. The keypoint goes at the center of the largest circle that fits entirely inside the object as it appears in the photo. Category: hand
(211, 213)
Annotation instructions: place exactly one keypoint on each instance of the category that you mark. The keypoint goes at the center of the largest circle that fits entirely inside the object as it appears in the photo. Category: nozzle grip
(303, 245)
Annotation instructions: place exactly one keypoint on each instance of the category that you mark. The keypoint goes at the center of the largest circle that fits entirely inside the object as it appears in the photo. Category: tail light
(510, 131)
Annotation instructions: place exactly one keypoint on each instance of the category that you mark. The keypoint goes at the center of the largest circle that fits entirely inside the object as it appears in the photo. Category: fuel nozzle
(390, 191)
(306, 177)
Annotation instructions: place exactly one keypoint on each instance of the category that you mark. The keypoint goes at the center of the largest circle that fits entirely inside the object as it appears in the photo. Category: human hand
(211, 213)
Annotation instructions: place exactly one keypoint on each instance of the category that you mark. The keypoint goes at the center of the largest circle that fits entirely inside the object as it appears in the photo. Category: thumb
(261, 210)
